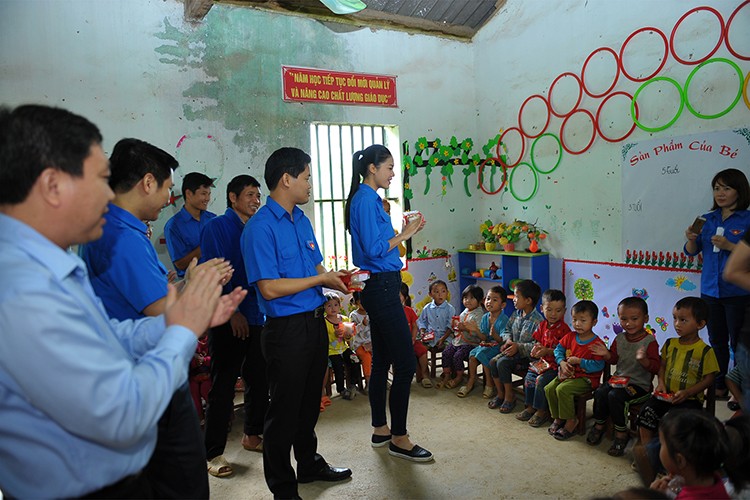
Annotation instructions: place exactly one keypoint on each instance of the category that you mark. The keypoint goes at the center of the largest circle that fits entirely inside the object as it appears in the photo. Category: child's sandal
(495, 403)
(595, 436)
(618, 447)
(554, 428)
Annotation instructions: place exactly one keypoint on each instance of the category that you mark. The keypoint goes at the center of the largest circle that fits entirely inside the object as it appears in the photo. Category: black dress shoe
(327, 473)
(416, 454)
(379, 441)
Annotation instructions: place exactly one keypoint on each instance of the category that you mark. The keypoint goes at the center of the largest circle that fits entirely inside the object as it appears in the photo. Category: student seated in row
(580, 370)
(463, 339)
(636, 354)
(517, 343)
(491, 329)
(543, 367)
(435, 321)
(688, 368)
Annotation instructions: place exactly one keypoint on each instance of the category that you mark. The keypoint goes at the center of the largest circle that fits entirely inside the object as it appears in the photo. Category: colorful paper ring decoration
(744, 91)
(676, 116)
(593, 131)
(734, 102)
(580, 93)
(598, 122)
(523, 147)
(713, 51)
(520, 112)
(533, 161)
(726, 32)
(663, 59)
(614, 81)
(479, 175)
(536, 183)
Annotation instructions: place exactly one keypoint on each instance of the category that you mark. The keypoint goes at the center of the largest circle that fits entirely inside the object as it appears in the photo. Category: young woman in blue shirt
(375, 249)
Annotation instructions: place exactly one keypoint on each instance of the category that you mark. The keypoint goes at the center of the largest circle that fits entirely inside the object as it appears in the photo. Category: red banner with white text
(337, 87)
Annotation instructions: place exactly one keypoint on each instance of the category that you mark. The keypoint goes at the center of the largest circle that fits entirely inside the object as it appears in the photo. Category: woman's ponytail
(358, 166)
(375, 154)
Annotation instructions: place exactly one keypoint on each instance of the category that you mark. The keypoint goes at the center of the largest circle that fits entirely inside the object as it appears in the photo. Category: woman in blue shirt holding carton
(375, 249)
(723, 228)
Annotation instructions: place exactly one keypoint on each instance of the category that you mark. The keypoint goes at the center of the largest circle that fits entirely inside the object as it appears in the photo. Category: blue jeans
(533, 388)
(724, 323)
(391, 345)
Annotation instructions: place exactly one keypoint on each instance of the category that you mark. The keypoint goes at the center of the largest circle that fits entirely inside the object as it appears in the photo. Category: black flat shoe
(416, 454)
(379, 441)
(327, 473)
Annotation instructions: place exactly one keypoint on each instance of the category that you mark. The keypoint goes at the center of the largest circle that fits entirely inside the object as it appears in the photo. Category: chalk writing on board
(666, 183)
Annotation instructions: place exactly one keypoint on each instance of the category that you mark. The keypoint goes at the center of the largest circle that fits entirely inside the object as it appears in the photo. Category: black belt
(318, 312)
(385, 275)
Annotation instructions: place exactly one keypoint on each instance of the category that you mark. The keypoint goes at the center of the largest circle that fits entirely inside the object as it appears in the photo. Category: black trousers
(177, 468)
(296, 351)
(343, 365)
(232, 357)
(134, 486)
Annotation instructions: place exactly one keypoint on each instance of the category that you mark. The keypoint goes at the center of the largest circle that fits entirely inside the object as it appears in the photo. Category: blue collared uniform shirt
(371, 229)
(124, 267)
(712, 281)
(80, 394)
(276, 245)
(221, 238)
(183, 234)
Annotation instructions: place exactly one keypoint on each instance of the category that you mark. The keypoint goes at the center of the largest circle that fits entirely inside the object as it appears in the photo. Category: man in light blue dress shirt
(80, 394)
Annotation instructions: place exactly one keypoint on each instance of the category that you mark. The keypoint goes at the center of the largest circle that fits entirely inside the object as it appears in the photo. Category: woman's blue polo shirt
(371, 229)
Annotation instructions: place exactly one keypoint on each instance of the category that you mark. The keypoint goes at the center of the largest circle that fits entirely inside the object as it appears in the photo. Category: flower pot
(534, 246)
(509, 247)
(489, 246)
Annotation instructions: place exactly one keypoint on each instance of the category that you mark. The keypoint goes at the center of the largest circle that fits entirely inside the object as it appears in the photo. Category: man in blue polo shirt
(284, 262)
(235, 346)
(183, 230)
(127, 275)
(80, 394)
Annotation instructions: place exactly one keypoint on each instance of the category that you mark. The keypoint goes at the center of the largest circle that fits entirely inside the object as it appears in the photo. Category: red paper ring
(505, 175)
(500, 141)
(520, 112)
(713, 51)
(601, 106)
(580, 93)
(593, 131)
(583, 72)
(663, 59)
(726, 32)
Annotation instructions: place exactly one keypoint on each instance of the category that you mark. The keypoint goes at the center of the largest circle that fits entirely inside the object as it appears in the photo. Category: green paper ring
(736, 99)
(559, 158)
(643, 86)
(510, 182)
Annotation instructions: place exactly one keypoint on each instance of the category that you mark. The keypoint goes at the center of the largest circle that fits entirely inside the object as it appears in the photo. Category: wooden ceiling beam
(196, 10)
(366, 18)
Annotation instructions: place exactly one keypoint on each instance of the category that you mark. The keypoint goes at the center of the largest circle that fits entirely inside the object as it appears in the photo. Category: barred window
(331, 149)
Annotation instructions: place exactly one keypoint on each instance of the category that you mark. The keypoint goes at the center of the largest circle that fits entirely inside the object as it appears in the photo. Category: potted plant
(489, 235)
(509, 234)
(535, 234)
